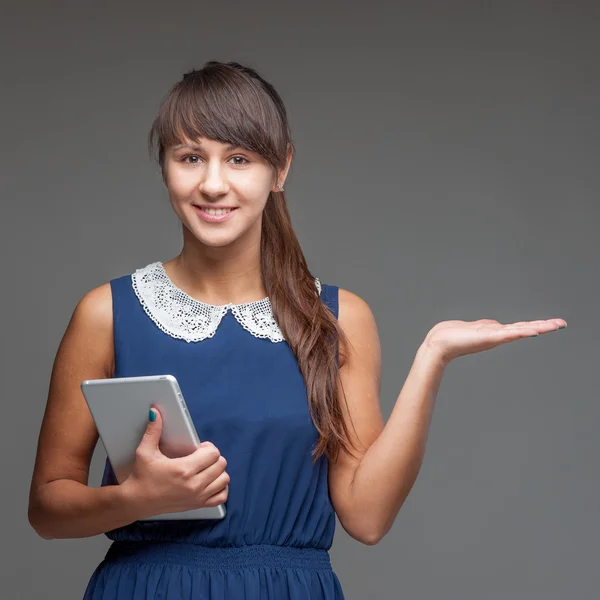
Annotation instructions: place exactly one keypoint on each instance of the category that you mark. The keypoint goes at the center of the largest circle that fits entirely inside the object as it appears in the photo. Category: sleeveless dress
(246, 394)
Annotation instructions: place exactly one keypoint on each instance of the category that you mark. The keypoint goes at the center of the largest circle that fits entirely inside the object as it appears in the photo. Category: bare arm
(61, 504)
(369, 490)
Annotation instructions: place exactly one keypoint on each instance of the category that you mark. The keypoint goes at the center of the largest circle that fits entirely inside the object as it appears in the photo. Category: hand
(451, 339)
(158, 484)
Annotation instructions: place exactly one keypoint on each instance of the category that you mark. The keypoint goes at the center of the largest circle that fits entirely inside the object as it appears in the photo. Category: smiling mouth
(215, 211)
(214, 214)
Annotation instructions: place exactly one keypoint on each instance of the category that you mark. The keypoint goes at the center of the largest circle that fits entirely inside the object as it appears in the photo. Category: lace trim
(179, 315)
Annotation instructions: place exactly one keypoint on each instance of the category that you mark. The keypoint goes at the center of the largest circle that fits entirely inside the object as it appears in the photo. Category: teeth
(216, 211)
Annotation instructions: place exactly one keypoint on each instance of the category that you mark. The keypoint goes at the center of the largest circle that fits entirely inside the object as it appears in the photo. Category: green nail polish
(152, 416)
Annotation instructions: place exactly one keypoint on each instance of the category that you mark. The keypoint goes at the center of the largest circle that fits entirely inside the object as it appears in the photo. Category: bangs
(225, 106)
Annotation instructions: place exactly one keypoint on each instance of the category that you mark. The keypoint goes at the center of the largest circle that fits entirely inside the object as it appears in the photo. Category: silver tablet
(120, 407)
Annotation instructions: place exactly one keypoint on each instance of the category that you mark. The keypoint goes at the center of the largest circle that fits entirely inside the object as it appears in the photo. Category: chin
(216, 242)
(215, 239)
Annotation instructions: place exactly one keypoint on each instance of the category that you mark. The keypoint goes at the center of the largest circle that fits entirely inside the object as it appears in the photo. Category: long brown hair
(231, 103)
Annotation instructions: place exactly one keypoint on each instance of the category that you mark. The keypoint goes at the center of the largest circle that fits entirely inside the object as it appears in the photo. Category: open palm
(452, 339)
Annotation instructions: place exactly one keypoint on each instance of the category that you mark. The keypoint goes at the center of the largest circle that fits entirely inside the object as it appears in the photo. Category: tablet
(120, 407)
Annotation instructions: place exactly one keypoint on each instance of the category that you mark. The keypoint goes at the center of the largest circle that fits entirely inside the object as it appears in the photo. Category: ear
(282, 174)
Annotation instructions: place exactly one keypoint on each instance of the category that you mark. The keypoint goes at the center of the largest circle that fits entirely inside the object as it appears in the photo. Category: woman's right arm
(61, 504)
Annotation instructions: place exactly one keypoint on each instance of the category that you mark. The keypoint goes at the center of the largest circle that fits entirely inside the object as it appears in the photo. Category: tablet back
(120, 407)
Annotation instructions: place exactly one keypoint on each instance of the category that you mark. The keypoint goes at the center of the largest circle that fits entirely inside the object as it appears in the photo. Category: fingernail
(562, 326)
(534, 335)
(152, 416)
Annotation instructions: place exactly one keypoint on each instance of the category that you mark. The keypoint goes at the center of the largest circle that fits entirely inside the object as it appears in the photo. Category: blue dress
(245, 393)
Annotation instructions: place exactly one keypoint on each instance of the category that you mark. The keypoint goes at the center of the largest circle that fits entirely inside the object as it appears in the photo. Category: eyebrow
(199, 148)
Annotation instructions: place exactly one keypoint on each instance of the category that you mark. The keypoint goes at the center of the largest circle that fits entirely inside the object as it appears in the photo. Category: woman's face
(218, 191)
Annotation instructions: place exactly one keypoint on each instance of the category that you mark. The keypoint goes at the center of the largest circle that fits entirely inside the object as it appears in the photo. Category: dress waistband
(213, 557)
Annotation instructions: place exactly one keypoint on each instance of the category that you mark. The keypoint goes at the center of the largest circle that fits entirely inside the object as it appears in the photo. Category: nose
(212, 182)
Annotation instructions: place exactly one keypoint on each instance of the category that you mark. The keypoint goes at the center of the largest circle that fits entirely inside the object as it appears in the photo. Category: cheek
(254, 192)
(180, 196)
(255, 199)
(181, 184)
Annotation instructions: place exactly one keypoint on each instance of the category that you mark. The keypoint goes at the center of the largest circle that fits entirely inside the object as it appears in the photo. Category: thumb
(151, 436)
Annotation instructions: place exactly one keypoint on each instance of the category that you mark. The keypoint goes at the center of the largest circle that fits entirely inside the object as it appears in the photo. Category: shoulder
(97, 304)
(347, 306)
(354, 311)
(95, 307)
(87, 344)
(91, 324)
(357, 322)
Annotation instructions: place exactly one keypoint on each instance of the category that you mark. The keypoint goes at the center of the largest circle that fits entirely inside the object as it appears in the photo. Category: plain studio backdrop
(446, 168)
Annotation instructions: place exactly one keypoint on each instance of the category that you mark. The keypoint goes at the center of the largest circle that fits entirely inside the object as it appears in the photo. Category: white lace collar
(183, 317)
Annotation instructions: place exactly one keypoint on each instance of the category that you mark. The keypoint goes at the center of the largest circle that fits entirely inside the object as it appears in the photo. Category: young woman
(280, 373)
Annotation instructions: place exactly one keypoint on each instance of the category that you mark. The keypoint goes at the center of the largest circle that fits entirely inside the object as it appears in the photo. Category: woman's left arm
(368, 491)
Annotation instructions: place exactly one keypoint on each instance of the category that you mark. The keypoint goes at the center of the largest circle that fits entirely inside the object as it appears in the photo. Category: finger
(561, 323)
(508, 333)
(218, 498)
(200, 459)
(212, 472)
(542, 327)
(151, 437)
(218, 485)
(552, 323)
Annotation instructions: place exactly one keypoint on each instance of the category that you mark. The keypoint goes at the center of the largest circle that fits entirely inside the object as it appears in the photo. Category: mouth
(214, 214)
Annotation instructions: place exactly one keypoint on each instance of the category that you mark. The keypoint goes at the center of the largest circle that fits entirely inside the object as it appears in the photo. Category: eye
(240, 158)
(184, 158)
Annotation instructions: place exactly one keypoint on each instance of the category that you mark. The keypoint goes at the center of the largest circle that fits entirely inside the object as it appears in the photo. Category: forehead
(203, 144)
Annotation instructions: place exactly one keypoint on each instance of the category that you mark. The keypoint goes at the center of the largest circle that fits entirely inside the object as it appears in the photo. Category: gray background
(445, 169)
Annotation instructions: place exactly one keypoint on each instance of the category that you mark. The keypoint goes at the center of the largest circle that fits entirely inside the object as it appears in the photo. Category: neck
(218, 275)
